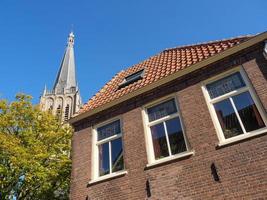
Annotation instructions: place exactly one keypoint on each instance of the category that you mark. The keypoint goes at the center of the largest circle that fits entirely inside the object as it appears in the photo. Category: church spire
(64, 100)
(66, 79)
(71, 39)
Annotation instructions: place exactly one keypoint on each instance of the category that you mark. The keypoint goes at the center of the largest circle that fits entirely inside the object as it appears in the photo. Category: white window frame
(95, 177)
(148, 136)
(210, 102)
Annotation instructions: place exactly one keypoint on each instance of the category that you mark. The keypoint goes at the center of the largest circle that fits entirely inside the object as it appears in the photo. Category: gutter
(250, 42)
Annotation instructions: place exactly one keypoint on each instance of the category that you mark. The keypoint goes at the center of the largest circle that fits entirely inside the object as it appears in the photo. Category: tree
(34, 152)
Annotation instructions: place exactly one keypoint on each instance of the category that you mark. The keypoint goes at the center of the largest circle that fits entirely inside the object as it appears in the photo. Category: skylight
(132, 78)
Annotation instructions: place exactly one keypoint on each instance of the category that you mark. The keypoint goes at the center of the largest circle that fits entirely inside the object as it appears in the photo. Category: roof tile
(156, 67)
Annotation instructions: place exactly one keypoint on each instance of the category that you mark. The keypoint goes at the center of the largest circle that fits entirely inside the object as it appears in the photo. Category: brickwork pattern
(241, 166)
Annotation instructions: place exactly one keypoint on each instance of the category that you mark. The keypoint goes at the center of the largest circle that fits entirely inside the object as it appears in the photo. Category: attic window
(132, 78)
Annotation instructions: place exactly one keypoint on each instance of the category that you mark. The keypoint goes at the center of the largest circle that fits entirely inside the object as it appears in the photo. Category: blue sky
(110, 35)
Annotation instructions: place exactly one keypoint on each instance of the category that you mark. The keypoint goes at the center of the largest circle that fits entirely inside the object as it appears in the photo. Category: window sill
(170, 159)
(242, 137)
(107, 177)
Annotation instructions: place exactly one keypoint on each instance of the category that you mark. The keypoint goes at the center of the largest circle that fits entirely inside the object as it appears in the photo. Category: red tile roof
(161, 65)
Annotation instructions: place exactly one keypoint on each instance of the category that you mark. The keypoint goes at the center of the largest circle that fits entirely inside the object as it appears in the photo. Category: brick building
(188, 123)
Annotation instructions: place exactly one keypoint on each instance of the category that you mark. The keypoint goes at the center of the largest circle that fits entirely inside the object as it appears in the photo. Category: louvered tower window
(58, 113)
(67, 110)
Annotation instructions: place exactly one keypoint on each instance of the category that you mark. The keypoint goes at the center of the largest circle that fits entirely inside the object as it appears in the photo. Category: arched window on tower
(67, 110)
(58, 113)
(49, 104)
(50, 108)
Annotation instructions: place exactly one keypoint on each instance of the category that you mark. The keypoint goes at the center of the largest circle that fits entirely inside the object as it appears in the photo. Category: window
(67, 109)
(58, 112)
(235, 109)
(108, 150)
(132, 78)
(165, 133)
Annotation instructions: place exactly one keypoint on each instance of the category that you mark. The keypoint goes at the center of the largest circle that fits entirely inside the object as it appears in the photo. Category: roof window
(132, 78)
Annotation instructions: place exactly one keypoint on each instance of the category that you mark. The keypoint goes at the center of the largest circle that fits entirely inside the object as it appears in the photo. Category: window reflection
(176, 138)
(117, 155)
(104, 159)
(227, 118)
(225, 85)
(248, 112)
(110, 148)
(159, 141)
(108, 130)
(161, 110)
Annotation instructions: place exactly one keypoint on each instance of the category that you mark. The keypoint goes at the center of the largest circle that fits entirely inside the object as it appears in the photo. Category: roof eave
(250, 42)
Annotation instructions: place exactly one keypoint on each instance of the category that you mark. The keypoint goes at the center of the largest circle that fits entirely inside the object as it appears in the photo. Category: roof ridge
(211, 42)
(189, 45)
(160, 65)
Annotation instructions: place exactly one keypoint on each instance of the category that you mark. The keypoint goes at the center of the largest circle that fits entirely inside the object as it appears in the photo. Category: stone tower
(64, 99)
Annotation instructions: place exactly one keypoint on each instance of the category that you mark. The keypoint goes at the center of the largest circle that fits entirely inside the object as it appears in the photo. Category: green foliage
(34, 152)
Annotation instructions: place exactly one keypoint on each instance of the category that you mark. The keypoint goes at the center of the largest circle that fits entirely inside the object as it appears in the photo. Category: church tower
(64, 99)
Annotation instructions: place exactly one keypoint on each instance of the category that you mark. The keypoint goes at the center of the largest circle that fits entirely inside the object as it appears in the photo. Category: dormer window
(132, 78)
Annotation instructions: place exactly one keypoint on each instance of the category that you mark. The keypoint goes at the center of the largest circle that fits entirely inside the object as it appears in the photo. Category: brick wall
(241, 166)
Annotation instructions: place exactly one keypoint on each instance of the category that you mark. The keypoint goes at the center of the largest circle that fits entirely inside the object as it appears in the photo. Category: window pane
(159, 141)
(225, 85)
(227, 118)
(134, 76)
(248, 112)
(161, 110)
(103, 159)
(176, 136)
(117, 155)
(109, 130)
